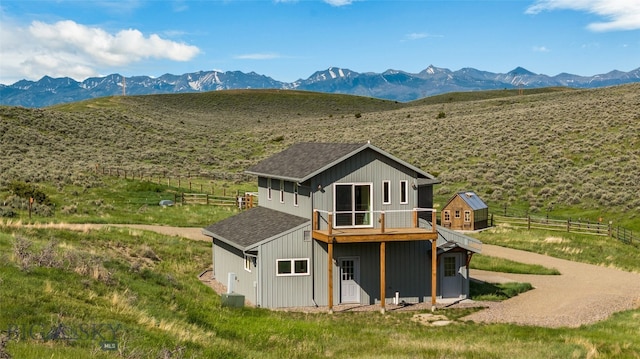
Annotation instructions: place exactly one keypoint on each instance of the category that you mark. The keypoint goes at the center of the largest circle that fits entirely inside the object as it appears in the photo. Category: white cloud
(69, 49)
(621, 14)
(258, 56)
(339, 2)
(541, 49)
(330, 2)
(418, 36)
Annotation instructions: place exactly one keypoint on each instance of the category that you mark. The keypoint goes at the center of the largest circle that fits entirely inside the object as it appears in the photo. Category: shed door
(349, 279)
(451, 278)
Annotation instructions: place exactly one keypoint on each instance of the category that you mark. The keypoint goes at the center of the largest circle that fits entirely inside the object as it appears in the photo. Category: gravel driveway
(582, 294)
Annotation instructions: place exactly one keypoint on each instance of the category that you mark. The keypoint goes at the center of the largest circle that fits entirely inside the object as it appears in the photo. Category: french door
(352, 205)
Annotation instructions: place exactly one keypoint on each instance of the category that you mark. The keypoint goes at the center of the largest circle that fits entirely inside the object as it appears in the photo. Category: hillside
(539, 151)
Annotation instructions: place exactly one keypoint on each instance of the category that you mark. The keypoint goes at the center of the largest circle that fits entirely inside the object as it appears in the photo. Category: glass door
(353, 205)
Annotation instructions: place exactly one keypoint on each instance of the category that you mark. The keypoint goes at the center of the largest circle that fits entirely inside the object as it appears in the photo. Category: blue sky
(288, 40)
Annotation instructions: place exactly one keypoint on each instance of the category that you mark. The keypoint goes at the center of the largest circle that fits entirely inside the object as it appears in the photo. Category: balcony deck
(359, 235)
(373, 235)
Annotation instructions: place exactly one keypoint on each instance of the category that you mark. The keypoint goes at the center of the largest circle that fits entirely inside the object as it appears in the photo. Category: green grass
(496, 291)
(146, 285)
(495, 264)
(598, 250)
(572, 153)
(116, 200)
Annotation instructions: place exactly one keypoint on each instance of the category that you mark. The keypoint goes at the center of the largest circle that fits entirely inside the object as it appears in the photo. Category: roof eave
(221, 238)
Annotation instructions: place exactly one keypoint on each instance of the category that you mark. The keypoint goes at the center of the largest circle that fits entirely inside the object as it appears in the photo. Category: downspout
(213, 260)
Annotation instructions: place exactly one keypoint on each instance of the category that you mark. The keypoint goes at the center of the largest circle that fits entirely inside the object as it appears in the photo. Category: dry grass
(555, 150)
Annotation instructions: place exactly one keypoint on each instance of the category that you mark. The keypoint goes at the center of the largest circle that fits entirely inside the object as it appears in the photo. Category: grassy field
(569, 153)
(140, 291)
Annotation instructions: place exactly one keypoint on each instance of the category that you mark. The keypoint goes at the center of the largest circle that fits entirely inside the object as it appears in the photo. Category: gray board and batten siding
(280, 229)
(314, 168)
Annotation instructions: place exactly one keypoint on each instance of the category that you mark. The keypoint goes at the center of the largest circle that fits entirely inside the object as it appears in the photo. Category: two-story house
(340, 223)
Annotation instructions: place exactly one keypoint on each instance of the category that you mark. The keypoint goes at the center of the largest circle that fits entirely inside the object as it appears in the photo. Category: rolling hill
(540, 150)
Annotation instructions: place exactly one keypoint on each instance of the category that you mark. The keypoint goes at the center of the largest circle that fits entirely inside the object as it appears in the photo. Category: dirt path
(582, 294)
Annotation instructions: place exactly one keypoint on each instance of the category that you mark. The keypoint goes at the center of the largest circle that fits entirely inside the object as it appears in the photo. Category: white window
(281, 191)
(467, 216)
(404, 192)
(295, 194)
(269, 189)
(292, 267)
(386, 192)
(247, 263)
(447, 216)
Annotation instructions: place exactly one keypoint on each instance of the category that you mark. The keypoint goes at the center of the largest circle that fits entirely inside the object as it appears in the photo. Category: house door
(451, 285)
(349, 279)
(352, 204)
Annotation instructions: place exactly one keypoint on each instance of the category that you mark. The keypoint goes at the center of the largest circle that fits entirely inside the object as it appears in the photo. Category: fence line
(244, 201)
(582, 227)
(187, 182)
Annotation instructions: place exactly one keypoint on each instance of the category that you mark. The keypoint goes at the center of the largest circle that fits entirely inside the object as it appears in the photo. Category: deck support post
(383, 274)
(434, 266)
(330, 276)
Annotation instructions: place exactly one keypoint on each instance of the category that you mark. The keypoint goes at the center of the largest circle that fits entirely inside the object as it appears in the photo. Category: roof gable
(304, 160)
(253, 226)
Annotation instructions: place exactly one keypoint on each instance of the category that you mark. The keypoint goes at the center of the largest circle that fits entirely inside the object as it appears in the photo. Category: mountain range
(391, 85)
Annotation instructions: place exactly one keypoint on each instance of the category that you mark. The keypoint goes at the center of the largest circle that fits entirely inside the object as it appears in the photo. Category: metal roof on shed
(473, 200)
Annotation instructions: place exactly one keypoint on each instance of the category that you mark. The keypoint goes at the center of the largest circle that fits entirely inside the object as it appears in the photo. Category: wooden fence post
(569, 225)
(528, 222)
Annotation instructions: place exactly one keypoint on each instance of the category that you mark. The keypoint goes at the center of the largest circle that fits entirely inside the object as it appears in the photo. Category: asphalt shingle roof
(302, 159)
(253, 226)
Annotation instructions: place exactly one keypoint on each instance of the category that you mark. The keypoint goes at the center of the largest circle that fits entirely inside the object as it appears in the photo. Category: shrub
(7, 212)
(441, 114)
(22, 252)
(28, 190)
